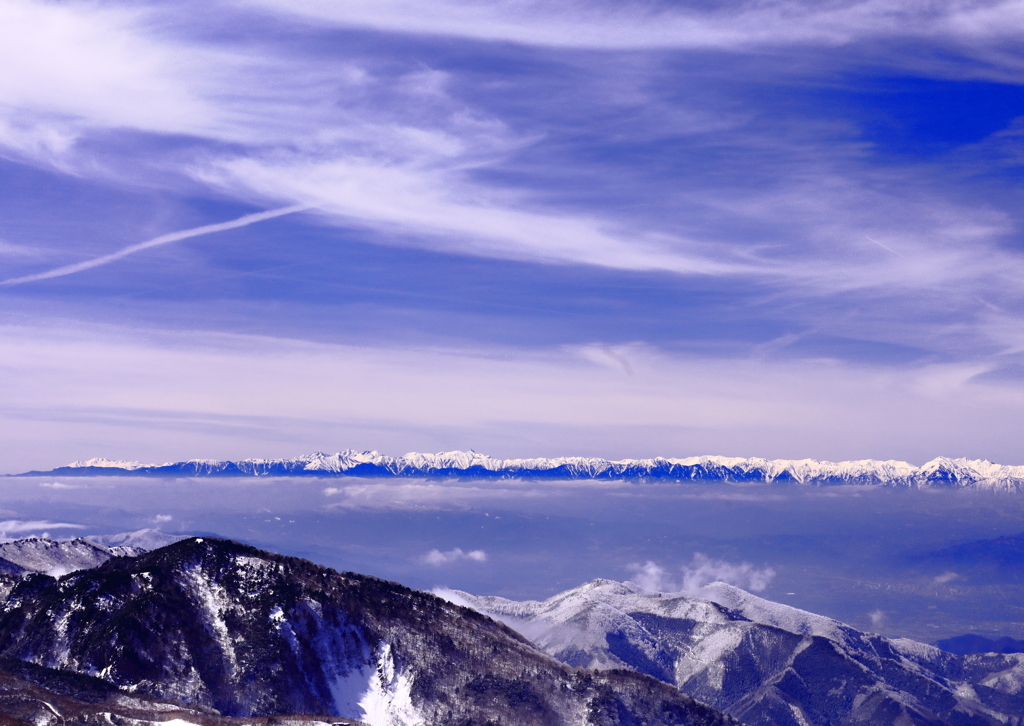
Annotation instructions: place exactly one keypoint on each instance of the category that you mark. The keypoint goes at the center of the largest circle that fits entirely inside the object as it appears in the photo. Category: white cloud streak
(156, 242)
(15, 526)
(432, 203)
(14, 251)
(632, 25)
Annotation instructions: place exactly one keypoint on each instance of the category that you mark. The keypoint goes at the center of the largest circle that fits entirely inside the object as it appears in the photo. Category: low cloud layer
(18, 526)
(701, 571)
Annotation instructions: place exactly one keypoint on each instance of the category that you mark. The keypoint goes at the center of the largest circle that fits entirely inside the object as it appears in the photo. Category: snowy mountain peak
(100, 463)
(143, 539)
(777, 615)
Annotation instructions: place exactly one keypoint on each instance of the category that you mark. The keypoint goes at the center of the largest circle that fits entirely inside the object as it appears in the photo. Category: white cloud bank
(437, 557)
(702, 571)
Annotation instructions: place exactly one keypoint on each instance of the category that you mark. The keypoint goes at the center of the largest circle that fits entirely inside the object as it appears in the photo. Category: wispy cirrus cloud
(366, 163)
(86, 66)
(434, 206)
(397, 151)
(702, 192)
(398, 156)
(10, 250)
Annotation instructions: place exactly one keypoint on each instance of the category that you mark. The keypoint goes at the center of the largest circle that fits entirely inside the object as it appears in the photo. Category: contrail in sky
(884, 247)
(156, 242)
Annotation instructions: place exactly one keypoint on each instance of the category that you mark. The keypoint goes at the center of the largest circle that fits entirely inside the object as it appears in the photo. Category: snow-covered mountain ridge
(765, 663)
(22, 557)
(940, 472)
(221, 626)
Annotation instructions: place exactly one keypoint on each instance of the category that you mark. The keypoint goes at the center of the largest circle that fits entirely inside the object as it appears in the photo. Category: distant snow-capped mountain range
(941, 472)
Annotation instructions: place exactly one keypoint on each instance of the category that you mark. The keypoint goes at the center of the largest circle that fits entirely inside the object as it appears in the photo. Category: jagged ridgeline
(214, 624)
(942, 472)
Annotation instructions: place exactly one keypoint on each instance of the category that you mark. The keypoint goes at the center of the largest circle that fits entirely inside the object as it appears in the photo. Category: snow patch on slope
(213, 602)
(388, 700)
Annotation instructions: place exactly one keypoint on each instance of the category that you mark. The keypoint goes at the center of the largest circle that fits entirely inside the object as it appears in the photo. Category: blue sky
(614, 229)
